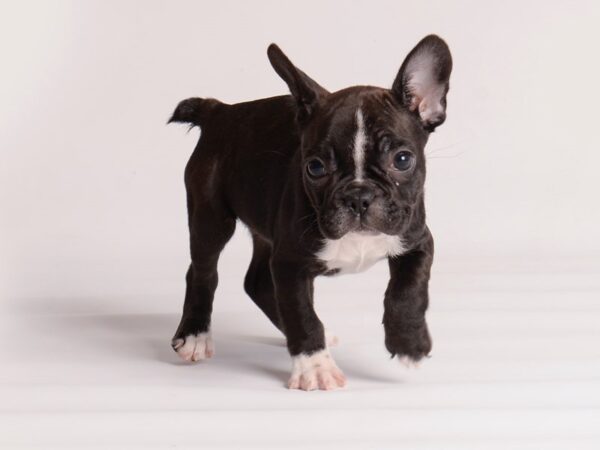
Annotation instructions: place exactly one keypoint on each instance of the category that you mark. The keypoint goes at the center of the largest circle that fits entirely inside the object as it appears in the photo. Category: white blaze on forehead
(360, 139)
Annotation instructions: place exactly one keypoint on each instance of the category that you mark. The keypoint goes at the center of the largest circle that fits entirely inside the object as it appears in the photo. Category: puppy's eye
(403, 160)
(315, 168)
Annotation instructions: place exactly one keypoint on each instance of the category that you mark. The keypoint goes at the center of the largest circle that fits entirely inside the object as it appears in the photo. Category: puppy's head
(362, 147)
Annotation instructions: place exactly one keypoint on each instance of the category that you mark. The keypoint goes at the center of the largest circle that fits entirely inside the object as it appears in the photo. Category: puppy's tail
(194, 111)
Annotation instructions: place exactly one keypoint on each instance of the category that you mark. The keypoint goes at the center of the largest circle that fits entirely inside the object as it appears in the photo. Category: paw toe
(194, 347)
(316, 371)
(408, 362)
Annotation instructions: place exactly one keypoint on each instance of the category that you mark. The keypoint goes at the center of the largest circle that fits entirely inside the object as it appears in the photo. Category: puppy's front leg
(405, 303)
(313, 366)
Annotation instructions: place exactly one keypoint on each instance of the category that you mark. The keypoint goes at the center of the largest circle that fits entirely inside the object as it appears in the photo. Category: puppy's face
(363, 161)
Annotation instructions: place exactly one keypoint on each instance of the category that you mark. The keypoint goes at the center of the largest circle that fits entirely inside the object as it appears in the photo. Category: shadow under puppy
(327, 183)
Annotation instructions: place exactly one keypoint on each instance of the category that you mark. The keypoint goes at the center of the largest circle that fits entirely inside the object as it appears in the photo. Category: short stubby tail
(194, 111)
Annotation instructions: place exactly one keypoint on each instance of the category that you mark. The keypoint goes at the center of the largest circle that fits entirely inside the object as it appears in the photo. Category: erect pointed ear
(304, 89)
(423, 81)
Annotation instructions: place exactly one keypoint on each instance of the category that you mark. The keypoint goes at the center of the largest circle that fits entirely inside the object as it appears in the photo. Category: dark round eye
(403, 160)
(315, 168)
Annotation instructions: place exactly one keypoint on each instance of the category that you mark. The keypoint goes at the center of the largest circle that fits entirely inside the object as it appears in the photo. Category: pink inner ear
(415, 101)
(430, 108)
(427, 93)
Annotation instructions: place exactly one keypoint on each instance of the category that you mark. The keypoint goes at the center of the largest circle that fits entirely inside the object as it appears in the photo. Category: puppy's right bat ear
(424, 79)
(306, 91)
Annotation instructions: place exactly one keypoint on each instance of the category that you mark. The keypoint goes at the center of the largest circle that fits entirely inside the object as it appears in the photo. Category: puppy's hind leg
(258, 282)
(259, 286)
(210, 230)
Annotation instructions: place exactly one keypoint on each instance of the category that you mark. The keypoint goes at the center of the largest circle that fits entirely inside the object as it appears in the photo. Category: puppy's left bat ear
(304, 89)
(423, 81)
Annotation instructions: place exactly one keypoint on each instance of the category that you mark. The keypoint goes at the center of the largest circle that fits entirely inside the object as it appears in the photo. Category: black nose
(358, 199)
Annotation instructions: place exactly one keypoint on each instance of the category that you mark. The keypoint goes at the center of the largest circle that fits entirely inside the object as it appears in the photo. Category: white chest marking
(358, 152)
(356, 252)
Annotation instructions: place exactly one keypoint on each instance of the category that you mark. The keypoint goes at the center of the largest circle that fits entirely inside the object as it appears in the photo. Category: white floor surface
(515, 365)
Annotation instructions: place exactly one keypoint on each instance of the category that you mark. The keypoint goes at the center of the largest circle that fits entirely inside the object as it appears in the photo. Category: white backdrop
(91, 188)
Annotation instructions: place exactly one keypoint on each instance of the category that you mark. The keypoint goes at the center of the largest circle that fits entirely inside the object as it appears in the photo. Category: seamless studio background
(93, 236)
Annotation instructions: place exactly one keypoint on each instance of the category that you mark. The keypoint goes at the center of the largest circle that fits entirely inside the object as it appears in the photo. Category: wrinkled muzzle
(361, 207)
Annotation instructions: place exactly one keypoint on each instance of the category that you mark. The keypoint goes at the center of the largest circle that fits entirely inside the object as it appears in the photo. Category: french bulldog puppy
(327, 183)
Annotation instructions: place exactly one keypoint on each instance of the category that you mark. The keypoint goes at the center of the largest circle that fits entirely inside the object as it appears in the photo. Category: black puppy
(327, 183)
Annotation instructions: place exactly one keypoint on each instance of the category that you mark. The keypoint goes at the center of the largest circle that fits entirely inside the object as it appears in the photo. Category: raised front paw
(316, 371)
(194, 347)
(409, 345)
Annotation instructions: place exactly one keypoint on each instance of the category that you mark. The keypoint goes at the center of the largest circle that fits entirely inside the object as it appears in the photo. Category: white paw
(408, 362)
(331, 339)
(316, 371)
(194, 347)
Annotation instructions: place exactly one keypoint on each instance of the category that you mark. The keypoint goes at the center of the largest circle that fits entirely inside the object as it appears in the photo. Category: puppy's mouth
(368, 232)
(360, 224)
(363, 227)
(381, 216)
